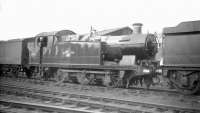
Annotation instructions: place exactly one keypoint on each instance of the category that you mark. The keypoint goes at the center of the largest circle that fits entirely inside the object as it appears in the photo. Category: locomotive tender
(181, 56)
(97, 59)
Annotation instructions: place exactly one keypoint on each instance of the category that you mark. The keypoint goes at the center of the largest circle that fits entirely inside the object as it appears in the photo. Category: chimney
(137, 28)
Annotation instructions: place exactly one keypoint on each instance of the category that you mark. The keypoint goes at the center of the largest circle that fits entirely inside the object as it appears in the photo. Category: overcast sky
(26, 18)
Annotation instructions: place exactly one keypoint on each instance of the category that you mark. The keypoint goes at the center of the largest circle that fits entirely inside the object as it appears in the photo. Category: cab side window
(41, 41)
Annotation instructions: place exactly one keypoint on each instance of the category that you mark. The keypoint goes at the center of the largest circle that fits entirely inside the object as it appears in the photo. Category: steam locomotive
(117, 57)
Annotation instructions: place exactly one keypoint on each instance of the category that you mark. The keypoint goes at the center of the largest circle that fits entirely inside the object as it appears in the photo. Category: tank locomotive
(65, 56)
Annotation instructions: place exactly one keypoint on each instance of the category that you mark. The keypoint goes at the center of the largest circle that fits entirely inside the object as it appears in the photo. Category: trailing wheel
(186, 82)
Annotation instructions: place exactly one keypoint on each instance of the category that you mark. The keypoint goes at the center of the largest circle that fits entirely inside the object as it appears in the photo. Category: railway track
(101, 91)
(164, 86)
(37, 83)
(131, 89)
(88, 89)
(13, 106)
(90, 101)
